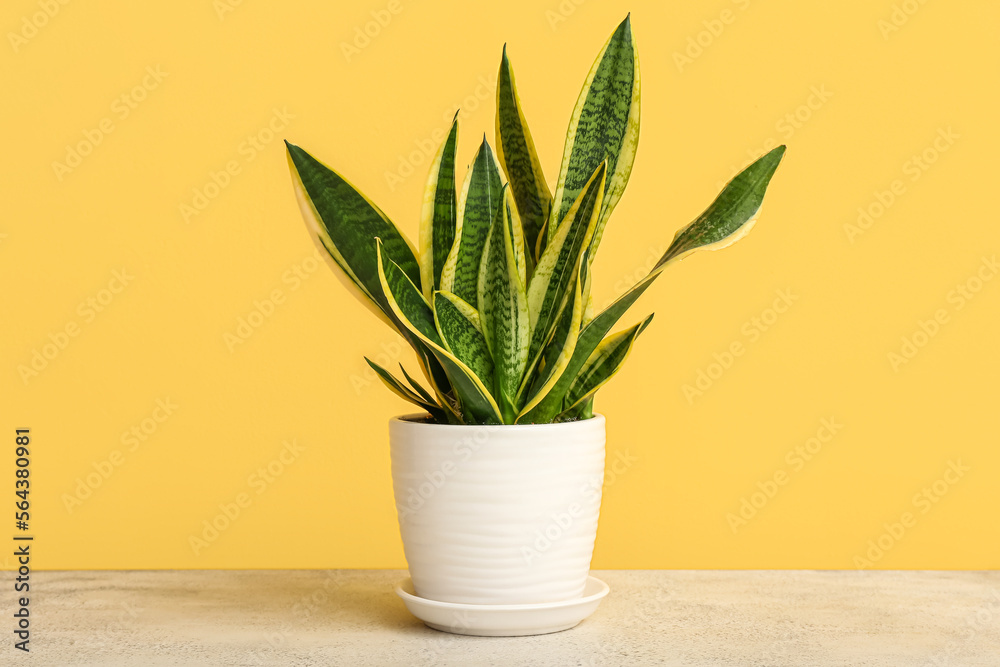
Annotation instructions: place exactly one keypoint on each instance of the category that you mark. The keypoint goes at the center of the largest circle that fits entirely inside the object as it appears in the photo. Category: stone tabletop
(353, 618)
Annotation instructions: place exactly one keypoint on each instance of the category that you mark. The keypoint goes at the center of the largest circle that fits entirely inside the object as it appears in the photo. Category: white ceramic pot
(498, 514)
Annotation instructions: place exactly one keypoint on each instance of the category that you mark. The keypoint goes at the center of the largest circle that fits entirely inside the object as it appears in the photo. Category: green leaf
(552, 280)
(517, 154)
(413, 312)
(417, 387)
(558, 353)
(460, 329)
(605, 125)
(478, 204)
(503, 305)
(401, 390)
(545, 363)
(588, 312)
(345, 224)
(582, 411)
(731, 214)
(439, 213)
(434, 372)
(602, 364)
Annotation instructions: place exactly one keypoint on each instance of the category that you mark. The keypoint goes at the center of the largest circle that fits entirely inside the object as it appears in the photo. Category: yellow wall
(153, 293)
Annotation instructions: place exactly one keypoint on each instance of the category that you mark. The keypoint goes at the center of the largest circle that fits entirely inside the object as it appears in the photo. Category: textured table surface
(353, 618)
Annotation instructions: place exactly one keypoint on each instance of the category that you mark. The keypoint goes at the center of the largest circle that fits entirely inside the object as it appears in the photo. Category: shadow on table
(346, 601)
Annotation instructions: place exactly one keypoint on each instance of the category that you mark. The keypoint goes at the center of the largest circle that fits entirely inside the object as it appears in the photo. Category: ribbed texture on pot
(498, 514)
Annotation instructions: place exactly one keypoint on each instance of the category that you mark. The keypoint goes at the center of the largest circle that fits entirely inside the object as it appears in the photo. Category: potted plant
(498, 478)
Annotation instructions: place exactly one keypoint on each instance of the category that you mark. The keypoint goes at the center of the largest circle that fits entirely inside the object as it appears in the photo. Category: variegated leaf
(345, 224)
(552, 280)
(602, 364)
(605, 125)
(732, 213)
(559, 351)
(517, 154)
(434, 372)
(404, 392)
(503, 306)
(413, 312)
(439, 213)
(416, 386)
(478, 203)
(460, 329)
(545, 362)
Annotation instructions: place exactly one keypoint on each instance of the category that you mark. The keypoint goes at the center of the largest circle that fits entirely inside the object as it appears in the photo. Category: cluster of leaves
(497, 302)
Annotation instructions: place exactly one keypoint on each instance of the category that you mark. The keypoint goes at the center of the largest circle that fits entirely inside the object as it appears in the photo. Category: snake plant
(496, 303)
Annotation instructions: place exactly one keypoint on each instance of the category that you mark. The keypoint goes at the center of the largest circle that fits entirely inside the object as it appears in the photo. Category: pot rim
(410, 421)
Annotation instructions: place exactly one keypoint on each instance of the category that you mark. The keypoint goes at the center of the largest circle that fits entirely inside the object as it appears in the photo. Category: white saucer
(503, 620)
